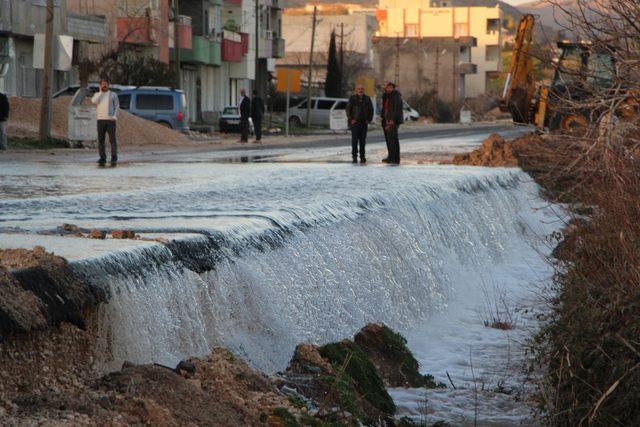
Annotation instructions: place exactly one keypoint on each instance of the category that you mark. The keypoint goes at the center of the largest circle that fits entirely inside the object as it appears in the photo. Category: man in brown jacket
(392, 118)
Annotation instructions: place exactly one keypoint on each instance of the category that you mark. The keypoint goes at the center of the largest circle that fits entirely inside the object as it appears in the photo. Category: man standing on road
(359, 114)
(107, 107)
(391, 121)
(4, 117)
(245, 113)
(257, 111)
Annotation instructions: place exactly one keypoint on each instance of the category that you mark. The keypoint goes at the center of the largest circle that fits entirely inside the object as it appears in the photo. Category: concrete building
(441, 64)
(22, 26)
(437, 18)
(223, 58)
(355, 24)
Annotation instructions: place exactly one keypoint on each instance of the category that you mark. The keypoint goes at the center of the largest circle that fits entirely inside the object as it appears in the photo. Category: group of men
(360, 114)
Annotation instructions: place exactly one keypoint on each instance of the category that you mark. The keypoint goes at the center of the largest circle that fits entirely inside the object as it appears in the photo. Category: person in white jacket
(107, 107)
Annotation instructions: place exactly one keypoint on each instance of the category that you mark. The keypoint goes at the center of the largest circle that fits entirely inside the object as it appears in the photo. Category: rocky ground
(48, 377)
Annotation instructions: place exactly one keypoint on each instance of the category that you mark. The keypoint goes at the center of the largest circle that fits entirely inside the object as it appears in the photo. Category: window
(304, 104)
(493, 26)
(492, 53)
(341, 105)
(411, 30)
(325, 104)
(125, 100)
(461, 30)
(154, 102)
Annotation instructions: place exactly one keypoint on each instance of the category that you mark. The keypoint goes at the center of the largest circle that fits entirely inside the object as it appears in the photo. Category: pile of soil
(38, 290)
(132, 130)
(495, 151)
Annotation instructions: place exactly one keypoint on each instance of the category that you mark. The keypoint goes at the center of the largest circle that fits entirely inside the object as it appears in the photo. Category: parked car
(230, 120)
(320, 112)
(408, 113)
(93, 88)
(159, 104)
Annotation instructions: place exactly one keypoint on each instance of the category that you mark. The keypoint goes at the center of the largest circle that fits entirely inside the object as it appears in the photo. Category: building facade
(418, 65)
(354, 28)
(437, 19)
(22, 26)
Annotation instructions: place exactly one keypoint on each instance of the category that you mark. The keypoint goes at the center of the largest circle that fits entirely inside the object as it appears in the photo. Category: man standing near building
(4, 117)
(107, 107)
(359, 114)
(245, 113)
(391, 121)
(257, 111)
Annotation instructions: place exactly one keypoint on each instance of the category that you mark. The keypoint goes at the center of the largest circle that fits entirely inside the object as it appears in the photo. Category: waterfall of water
(309, 275)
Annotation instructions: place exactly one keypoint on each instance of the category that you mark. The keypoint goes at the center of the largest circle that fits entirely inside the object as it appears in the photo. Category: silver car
(320, 112)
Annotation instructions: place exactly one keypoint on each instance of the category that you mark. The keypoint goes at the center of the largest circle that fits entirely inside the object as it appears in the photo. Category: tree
(333, 83)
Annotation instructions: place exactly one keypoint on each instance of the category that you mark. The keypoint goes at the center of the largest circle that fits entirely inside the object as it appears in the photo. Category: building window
(461, 30)
(465, 54)
(411, 30)
(493, 26)
(492, 53)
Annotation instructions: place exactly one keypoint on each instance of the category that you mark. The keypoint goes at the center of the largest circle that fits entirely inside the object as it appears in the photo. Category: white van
(320, 111)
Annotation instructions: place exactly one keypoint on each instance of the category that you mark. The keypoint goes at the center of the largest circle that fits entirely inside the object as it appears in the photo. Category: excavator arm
(520, 84)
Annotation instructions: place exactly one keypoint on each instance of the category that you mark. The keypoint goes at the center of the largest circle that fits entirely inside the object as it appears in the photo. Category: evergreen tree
(333, 83)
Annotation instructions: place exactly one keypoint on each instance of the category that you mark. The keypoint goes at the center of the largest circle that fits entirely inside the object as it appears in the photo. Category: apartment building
(22, 26)
(354, 26)
(217, 41)
(442, 18)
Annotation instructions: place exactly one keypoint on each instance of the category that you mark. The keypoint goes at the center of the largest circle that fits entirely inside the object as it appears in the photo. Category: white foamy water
(267, 256)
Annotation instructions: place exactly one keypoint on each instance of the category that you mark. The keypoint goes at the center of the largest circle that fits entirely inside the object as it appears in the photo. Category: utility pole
(257, 84)
(313, 36)
(44, 132)
(341, 59)
(176, 42)
(397, 76)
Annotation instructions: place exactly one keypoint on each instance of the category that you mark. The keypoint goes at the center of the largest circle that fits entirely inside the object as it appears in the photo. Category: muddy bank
(50, 329)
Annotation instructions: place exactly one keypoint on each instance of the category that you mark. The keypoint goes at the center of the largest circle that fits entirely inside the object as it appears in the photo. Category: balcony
(265, 45)
(136, 30)
(231, 46)
(234, 2)
(277, 4)
(244, 39)
(215, 56)
(467, 68)
(185, 32)
(278, 47)
(199, 52)
(87, 27)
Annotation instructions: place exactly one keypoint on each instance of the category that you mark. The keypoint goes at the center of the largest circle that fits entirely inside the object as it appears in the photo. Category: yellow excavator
(557, 105)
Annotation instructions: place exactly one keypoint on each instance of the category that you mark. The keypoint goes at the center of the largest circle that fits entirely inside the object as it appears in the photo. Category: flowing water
(264, 256)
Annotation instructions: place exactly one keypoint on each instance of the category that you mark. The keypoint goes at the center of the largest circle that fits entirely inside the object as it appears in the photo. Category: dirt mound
(495, 151)
(528, 151)
(132, 130)
(41, 290)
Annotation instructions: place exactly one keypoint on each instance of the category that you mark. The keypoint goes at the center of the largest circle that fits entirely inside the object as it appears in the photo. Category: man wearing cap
(359, 114)
(391, 120)
(107, 107)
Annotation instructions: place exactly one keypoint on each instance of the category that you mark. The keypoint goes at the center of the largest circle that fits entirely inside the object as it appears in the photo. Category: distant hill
(550, 15)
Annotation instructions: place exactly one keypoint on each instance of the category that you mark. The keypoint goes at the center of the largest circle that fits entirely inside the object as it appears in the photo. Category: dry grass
(590, 346)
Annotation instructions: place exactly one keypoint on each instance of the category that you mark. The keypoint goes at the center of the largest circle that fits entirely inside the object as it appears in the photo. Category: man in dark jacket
(392, 118)
(257, 111)
(4, 117)
(359, 114)
(245, 113)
